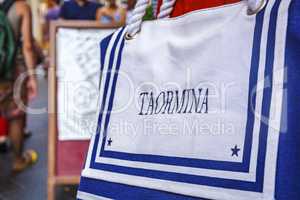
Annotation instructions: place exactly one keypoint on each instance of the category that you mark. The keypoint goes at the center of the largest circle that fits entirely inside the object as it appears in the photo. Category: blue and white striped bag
(195, 107)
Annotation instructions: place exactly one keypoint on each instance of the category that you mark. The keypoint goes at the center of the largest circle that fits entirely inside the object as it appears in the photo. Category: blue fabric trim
(125, 192)
(267, 96)
(288, 165)
(112, 95)
(103, 49)
(107, 80)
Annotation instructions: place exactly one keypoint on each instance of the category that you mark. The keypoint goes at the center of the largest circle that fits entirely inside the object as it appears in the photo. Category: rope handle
(136, 19)
(135, 23)
(166, 9)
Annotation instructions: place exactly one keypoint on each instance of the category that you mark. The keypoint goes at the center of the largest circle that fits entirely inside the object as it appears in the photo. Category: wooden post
(52, 133)
(53, 179)
(51, 189)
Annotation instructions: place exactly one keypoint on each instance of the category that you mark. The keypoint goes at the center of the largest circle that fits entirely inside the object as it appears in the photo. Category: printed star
(235, 151)
(109, 142)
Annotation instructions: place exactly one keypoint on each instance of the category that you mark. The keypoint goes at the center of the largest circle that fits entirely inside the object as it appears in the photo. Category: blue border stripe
(103, 49)
(267, 95)
(179, 177)
(252, 94)
(112, 95)
(107, 80)
(125, 192)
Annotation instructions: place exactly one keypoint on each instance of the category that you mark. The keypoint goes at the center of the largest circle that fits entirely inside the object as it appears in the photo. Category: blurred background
(32, 183)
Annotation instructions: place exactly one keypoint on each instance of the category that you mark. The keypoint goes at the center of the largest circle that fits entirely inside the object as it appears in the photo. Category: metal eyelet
(261, 7)
(129, 37)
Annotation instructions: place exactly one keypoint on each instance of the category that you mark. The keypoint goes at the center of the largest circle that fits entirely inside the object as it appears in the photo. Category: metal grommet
(128, 36)
(260, 7)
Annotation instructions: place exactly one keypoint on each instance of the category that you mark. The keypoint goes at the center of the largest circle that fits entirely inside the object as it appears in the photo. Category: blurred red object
(184, 6)
(3, 126)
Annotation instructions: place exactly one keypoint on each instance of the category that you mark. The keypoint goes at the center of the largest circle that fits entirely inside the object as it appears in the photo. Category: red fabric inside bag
(184, 6)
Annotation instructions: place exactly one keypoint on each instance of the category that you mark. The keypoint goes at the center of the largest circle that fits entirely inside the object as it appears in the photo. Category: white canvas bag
(192, 105)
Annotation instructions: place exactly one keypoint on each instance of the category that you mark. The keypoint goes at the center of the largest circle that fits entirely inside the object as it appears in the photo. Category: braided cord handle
(254, 6)
(166, 9)
(136, 20)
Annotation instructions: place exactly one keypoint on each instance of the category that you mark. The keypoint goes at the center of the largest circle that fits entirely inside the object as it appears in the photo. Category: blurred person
(111, 14)
(51, 13)
(18, 15)
(79, 10)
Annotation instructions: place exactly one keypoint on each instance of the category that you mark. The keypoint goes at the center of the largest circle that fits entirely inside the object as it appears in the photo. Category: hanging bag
(7, 42)
(190, 106)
